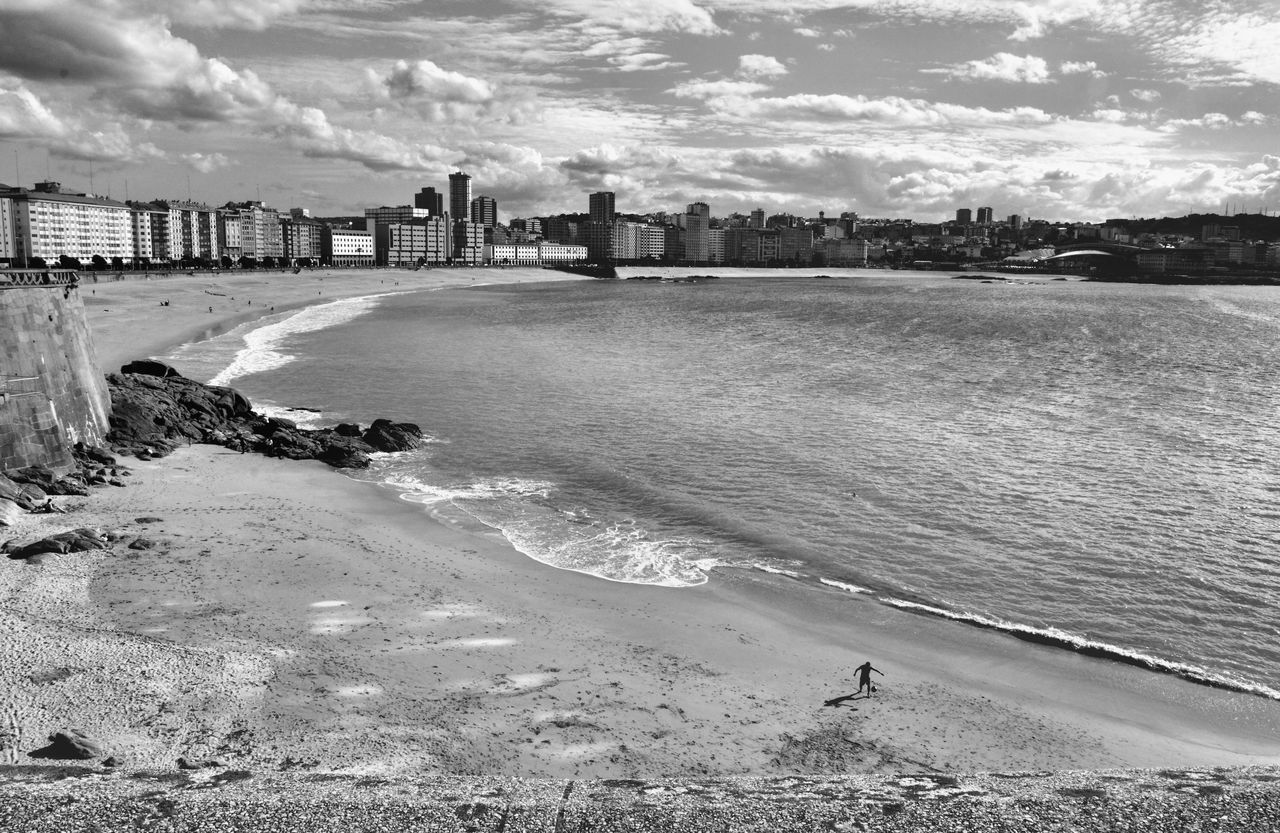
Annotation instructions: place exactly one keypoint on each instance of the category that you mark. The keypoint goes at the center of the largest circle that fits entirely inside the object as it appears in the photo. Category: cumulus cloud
(24, 116)
(424, 79)
(760, 66)
(1081, 68)
(206, 163)
(1149, 96)
(1003, 66)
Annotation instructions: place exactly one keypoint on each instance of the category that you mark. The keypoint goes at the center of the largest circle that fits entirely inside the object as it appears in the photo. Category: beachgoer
(864, 677)
(210, 309)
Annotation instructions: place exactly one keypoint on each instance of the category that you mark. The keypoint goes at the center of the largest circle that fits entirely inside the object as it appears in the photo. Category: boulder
(17, 493)
(150, 367)
(77, 540)
(70, 745)
(93, 453)
(385, 435)
(344, 457)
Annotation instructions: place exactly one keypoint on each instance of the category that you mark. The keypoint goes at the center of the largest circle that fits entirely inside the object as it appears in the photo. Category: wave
(850, 588)
(261, 351)
(569, 539)
(1057, 638)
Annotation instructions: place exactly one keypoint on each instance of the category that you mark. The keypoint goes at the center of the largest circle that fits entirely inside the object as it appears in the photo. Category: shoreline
(290, 615)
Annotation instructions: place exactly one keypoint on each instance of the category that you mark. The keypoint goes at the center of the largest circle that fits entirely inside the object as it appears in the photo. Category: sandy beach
(291, 616)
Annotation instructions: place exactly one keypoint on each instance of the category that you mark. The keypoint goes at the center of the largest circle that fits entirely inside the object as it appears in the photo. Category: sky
(1054, 109)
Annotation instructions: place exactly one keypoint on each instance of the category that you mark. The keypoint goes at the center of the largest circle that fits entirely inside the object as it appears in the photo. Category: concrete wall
(51, 391)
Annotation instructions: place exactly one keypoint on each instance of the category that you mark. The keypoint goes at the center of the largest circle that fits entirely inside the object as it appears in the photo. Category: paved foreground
(92, 799)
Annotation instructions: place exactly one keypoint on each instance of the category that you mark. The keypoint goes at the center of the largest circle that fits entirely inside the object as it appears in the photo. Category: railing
(13, 278)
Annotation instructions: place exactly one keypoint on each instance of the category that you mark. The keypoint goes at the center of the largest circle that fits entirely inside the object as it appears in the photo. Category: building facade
(347, 247)
(429, 199)
(49, 224)
(600, 205)
(697, 222)
(533, 254)
(303, 240)
(422, 242)
(484, 210)
(459, 195)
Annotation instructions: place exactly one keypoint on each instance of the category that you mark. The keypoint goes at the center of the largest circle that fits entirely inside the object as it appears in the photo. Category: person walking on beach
(864, 677)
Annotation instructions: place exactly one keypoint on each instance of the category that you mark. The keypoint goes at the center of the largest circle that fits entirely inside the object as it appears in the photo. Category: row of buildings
(49, 225)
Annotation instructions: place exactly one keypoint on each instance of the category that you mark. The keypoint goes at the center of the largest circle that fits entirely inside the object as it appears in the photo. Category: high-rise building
(984, 216)
(484, 211)
(459, 195)
(1015, 222)
(757, 219)
(601, 207)
(428, 198)
(697, 222)
(964, 216)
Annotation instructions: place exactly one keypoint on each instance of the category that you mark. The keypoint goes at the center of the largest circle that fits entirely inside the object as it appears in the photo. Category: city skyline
(1066, 109)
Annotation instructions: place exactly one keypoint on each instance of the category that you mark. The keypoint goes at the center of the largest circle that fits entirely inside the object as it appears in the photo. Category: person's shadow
(840, 701)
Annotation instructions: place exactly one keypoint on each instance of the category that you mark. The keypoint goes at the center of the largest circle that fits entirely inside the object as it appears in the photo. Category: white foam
(1071, 641)
(418, 491)
(840, 585)
(777, 571)
(261, 352)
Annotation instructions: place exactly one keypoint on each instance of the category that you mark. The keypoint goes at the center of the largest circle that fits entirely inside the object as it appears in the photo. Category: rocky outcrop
(70, 745)
(155, 409)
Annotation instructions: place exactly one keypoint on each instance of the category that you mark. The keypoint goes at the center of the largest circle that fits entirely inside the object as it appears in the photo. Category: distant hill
(1252, 226)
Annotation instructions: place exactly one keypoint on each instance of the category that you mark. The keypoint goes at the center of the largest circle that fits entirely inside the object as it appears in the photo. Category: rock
(10, 512)
(385, 435)
(344, 457)
(150, 367)
(183, 763)
(155, 410)
(92, 452)
(142, 544)
(70, 745)
(18, 493)
(115, 481)
(77, 540)
(111, 762)
(148, 520)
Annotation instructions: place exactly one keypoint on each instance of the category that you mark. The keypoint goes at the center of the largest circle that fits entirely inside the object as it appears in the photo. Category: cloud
(1002, 66)
(308, 129)
(1149, 96)
(760, 66)
(206, 163)
(424, 80)
(635, 15)
(1081, 68)
(229, 14)
(24, 117)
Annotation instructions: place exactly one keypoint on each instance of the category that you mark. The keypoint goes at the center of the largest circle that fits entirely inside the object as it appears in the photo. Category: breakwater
(52, 394)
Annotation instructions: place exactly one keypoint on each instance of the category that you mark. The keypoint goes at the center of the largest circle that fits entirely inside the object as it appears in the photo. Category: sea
(1094, 466)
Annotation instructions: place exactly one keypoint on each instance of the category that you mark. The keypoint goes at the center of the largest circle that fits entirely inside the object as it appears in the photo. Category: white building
(49, 224)
(651, 242)
(715, 245)
(348, 247)
(8, 241)
(532, 254)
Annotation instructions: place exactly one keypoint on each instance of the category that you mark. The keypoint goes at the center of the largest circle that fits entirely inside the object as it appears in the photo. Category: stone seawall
(52, 394)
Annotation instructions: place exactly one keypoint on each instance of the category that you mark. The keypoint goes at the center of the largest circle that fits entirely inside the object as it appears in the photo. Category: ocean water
(1089, 465)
